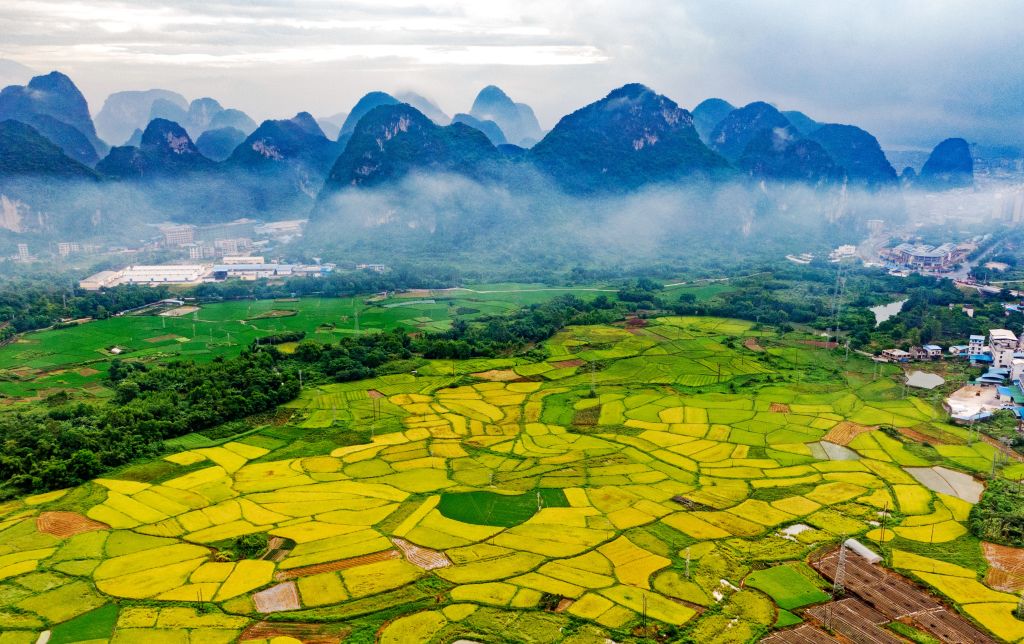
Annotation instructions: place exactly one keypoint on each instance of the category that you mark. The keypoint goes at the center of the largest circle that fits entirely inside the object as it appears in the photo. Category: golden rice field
(655, 472)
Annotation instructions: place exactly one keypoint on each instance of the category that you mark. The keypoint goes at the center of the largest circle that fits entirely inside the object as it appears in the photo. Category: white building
(23, 255)
(100, 280)
(251, 271)
(149, 275)
(1003, 344)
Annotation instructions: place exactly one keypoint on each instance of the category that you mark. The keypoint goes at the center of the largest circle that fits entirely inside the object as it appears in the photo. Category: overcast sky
(911, 72)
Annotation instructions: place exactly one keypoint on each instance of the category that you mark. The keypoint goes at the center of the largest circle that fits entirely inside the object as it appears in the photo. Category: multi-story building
(232, 246)
(179, 235)
(976, 345)
(23, 255)
(66, 248)
(1003, 344)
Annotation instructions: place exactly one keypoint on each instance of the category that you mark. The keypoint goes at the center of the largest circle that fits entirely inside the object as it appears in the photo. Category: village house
(896, 355)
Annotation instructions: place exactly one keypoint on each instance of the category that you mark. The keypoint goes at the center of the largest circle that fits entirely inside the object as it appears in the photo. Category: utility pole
(881, 536)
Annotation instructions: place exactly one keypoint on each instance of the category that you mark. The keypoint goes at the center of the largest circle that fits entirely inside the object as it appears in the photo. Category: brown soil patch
(278, 598)
(497, 375)
(308, 633)
(931, 435)
(563, 604)
(373, 393)
(1006, 567)
(67, 524)
(424, 558)
(917, 436)
(845, 432)
(779, 408)
(342, 564)
(85, 372)
(751, 343)
(162, 338)
(562, 364)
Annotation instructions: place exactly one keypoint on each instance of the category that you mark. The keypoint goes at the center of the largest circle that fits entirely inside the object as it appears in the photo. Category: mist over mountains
(378, 167)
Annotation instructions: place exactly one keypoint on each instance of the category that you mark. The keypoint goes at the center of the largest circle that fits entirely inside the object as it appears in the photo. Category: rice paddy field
(643, 482)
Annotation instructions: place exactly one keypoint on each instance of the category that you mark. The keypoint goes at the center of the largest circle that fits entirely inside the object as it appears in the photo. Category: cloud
(910, 71)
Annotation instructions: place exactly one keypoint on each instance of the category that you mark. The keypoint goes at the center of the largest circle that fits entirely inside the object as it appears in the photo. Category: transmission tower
(837, 584)
(837, 304)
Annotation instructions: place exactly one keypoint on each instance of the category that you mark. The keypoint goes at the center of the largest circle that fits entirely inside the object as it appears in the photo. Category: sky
(912, 72)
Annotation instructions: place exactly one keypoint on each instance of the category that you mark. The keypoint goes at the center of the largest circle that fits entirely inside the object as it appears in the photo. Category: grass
(504, 510)
(94, 625)
(788, 587)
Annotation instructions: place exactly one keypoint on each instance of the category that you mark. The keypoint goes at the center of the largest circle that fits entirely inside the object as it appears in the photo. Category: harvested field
(587, 417)
(424, 558)
(564, 364)
(284, 596)
(751, 343)
(85, 372)
(342, 564)
(1006, 567)
(845, 432)
(779, 408)
(307, 633)
(373, 393)
(563, 604)
(67, 524)
(180, 311)
(497, 375)
(917, 436)
(162, 338)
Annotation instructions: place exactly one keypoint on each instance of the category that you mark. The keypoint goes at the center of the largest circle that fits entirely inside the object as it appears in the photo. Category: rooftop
(1002, 334)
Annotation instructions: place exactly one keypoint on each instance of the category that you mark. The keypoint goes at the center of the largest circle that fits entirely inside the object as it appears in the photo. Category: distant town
(210, 253)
